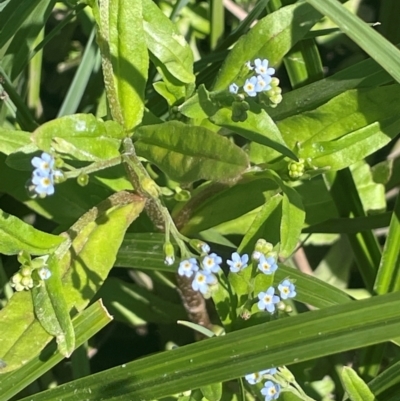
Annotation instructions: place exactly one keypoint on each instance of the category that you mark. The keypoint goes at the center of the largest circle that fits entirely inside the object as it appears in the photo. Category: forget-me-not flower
(233, 88)
(44, 164)
(238, 262)
(43, 175)
(44, 273)
(267, 264)
(271, 390)
(205, 248)
(254, 378)
(287, 289)
(188, 267)
(261, 67)
(44, 183)
(202, 281)
(251, 86)
(263, 83)
(267, 300)
(211, 263)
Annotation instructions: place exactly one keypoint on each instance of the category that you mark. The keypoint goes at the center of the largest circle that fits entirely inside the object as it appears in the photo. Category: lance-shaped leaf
(92, 139)
(187, 153)
(124, 58)
(51, 308)
(343, 131)
(355, 387)
(11, 140)
(271, 38)
(303, 337)
(86, 325)
(258, 127)
(16, 236)
(96, 238)
(169, 51)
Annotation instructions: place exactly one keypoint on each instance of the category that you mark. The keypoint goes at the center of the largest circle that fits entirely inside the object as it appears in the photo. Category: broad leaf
(169, 52)
(81, 136)
(86, 325)
(96, 238)
(248, 194)
(258, 127)
(11, 140)
(343, 131)
(16, 236)
(125, 59)
(271, 38)
(187, 153)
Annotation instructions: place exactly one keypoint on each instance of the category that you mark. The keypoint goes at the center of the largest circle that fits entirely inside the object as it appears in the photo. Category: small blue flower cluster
(204, 278)
(270, 390)
(267, 265)
(257, 83)
(44, 174)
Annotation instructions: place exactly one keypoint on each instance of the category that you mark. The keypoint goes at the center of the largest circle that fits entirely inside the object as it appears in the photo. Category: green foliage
(170, 162)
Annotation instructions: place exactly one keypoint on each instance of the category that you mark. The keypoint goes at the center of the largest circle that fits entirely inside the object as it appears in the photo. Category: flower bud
(169, 253)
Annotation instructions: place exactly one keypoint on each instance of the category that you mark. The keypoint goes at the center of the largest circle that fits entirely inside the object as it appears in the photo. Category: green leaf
(355, 387)
(387, 278)
(52, 310)
(265, 225)
(212, 392)
(81, 136)
(302, 337)
(16, 236)
(365, 74)
(96, 238)
(272, 37)
(167, 44)
(372, 194)
(346, 129)
(187, 153)
(293, 216)
(86, 325)
(11, 140)
(125, 59)
(248, 194)
(258, 127)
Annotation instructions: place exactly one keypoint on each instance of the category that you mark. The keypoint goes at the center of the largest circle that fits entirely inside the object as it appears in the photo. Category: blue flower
(203, 280)
(233, 88)
(263, 83)
(251, 86)
(237, 263)
(261, 68)
(44, 164)
(188, 267)
(270, 371)
(254, 378)
(205, 248)
(287, 289)
(44, 273)
(267, 300)
(43, 183)
(211, 263)
(267, 265)
(271, 390)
